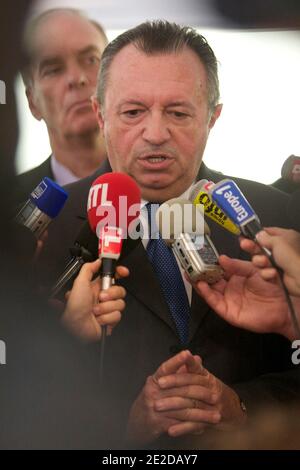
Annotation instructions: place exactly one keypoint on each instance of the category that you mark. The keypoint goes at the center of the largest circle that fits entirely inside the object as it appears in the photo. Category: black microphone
(85, 250)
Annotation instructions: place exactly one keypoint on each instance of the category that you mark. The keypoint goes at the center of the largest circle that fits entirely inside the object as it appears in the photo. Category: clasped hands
(181, 398)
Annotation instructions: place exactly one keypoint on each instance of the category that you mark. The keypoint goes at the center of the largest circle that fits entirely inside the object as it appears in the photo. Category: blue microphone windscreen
(49, 197)
(227, 195)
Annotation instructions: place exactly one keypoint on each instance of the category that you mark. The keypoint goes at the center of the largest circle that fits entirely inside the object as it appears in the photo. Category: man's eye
(133, 112)
(52, 71)
(179, 114)
(93, 60)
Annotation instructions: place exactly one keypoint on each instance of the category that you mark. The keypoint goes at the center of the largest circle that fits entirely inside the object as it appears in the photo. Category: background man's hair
(31, 28)
(162, 37)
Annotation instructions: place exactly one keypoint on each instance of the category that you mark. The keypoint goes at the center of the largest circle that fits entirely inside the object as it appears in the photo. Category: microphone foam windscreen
(196, 188)
(178, 216)
(49, 197)
(114, 201)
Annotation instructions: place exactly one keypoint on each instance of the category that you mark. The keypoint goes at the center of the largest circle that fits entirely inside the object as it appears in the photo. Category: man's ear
(97, 110)
(215, 115)
(32, 104)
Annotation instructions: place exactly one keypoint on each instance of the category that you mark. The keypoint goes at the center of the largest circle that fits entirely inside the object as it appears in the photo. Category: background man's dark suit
(146, 336)
(26, 182)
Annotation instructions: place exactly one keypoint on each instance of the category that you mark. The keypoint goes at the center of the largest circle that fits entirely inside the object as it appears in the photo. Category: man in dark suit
(157, 100)
(64, 50)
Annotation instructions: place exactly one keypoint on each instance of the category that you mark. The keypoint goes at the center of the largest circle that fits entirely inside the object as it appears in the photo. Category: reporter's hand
(84, 315)
(247, 301)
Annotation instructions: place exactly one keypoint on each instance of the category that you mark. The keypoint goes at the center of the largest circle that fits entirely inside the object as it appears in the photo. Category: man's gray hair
(35, 22)
(162, 37)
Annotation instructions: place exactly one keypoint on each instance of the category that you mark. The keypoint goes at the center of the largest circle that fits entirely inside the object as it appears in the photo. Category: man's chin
(86, 127)
(161, 192)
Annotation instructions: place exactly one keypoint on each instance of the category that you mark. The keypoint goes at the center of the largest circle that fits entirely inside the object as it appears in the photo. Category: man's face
(156, 119)
(64, 76)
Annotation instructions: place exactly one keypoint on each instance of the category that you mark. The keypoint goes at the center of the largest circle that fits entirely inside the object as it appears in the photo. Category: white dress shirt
(61, 173)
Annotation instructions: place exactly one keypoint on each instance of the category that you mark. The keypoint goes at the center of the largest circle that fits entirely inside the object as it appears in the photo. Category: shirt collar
(61, 173)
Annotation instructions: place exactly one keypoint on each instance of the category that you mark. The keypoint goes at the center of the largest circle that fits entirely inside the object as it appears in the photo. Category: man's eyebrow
(186, 104)
(53, 60)
(130, 103)
(88, 49)
(48, 61)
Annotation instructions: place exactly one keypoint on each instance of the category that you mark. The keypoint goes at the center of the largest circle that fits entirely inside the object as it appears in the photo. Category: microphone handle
(107, 276)
(71, 271)
(80, 256)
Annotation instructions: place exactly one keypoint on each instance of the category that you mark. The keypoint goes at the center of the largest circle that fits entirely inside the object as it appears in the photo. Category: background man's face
(68, 52)
(156, 120)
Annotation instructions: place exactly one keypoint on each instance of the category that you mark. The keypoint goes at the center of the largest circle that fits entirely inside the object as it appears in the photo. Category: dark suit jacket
(252, 364)
(27, 181)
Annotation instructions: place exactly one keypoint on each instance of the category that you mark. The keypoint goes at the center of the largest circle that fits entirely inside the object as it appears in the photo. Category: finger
(105, 308)
(113, 293)
(111, 319)
(236, 266)
(196, 415)
(249, 246)
(269, 274)
(275, 231)
(182, 369)
(211, 296)
(172, 365)
(265, 239)
(121, 271)
(185, 395)
(180, 403)
(261, 261)
(194, 365)
(181, 429)
(88, 271)
(67, 294)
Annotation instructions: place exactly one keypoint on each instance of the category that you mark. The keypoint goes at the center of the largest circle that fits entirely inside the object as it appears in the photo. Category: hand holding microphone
(285, 247)
(84, 316)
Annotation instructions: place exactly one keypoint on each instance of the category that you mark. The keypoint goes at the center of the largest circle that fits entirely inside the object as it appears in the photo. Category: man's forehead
(133, 53)
(52, 35)
(136, 67)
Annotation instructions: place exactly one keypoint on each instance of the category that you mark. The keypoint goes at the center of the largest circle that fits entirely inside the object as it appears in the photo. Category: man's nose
(77, 77)
(156, 130)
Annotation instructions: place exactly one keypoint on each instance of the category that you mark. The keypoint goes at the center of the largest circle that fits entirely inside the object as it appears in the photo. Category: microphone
(44, 204)
(85, 250)
(182, 226)
(199, 196)
(290, 170)
(227, 195)
(113, 209)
